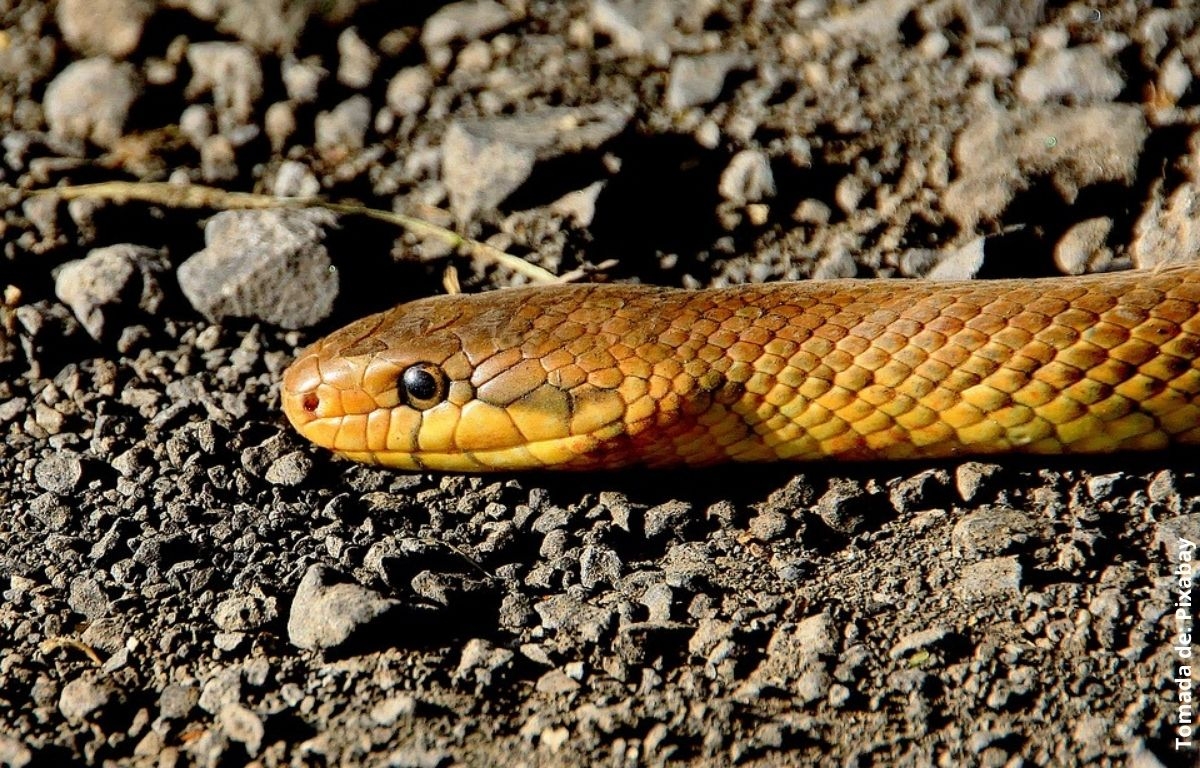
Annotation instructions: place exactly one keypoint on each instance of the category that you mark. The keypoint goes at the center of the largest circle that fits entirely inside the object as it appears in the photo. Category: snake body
(604, 376)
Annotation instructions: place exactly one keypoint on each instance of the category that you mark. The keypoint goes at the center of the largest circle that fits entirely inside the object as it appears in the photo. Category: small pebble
(90, 100)
(325, 614)
(59, 473)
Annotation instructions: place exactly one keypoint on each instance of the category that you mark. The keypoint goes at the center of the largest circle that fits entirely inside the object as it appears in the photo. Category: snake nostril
(310, 403)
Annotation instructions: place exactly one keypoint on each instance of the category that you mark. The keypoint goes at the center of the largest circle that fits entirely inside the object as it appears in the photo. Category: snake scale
(606, 376)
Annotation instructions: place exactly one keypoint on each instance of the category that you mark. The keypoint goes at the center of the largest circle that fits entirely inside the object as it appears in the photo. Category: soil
(185, 581)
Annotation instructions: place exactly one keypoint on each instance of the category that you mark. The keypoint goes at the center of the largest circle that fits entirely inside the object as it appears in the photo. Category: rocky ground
(185, 581)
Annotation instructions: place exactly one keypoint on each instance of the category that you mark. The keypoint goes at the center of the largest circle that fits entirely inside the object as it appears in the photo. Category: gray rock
(997, 577)
(817, 634)
(293, 179)
(1168, 231)
(960, 264)
(1082, 75)
(556, 682)
(812, 685)
(1167, 533)
(58, 473)
(218, 160)
(103, 27)
(641, 28)
(83, 698)
(325, 614)
(266, 265)
(343, 129)
(992, 532)
(279, 123)
(972, 478)
(1002, 151)
(462, 22)
(598, 565)
(220, 690)
(246, 612)
(1162, 488)
(1082, 247)
(302, 79)
(13, 753)
(1101, 487)
(413, 756)
(107, 635)
(578, 620)
(232, 74)
(196, 123)
(356, 60)
(688, 565)
(289, 470)
(391, 709)
(408, 90)
(846, 505)
(918, 641)
(87, 597)
(90, 101)
(177, 701)
(119, 281)
(242, 725)
(658, 599)
(768, 525)
(697, 80)
(482, 663)
(666, 517)
(485, 161)
(748, 178)
(1018, 18)
(923, 490)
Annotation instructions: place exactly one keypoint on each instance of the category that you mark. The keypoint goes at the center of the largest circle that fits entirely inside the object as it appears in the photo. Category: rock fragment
(59, 473)
(103, 27)
(996, 577)
(90, 101)
(1082, 247)
(461, 22)
(265, 265)
(232, 74)
(1082, 75)
(1001, 152)
(698, 80)
(84, 697)
(116, 283)
(356, 60)
(326, 614)
(485, 161)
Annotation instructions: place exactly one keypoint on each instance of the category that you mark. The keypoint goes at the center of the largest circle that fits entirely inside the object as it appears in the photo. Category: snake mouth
(556, 453)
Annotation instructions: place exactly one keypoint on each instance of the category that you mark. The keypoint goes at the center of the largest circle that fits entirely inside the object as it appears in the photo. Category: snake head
(509, 380)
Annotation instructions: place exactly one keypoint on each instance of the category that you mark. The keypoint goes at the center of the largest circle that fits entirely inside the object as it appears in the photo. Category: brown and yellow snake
(603, 376)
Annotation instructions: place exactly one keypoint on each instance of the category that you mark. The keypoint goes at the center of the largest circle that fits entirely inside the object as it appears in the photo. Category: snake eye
(423, 386)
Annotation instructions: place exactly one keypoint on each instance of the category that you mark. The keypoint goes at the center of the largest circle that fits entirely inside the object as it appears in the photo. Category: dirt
(185, 581)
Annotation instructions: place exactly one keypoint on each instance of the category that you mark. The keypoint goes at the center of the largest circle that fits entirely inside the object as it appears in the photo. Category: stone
(232, 74)
(698, 80)
(82, 698)
(484, 161)
(1081, 75)
(326, 614)
(995, 577)
(264, 265)
(116, 283)
(103, 27)
(90, 101)
(59, 473)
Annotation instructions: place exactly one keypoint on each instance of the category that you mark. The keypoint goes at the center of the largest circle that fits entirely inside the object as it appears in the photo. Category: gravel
(184, 581)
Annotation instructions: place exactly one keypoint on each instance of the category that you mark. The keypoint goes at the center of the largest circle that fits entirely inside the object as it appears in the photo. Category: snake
(605, 376)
